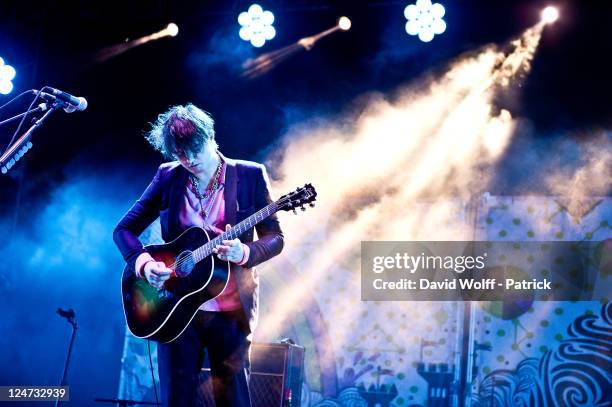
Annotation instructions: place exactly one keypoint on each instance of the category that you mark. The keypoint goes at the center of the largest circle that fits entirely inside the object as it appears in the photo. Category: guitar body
(162, 315)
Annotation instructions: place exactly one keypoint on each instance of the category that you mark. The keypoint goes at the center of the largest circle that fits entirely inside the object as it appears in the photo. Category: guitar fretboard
(206, 250)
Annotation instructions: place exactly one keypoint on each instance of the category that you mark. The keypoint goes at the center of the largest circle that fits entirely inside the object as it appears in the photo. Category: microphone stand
(7, 160)
(41, 108)
(70, 317)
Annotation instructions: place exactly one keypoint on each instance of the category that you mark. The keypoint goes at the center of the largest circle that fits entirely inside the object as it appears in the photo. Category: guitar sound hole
(184, 264)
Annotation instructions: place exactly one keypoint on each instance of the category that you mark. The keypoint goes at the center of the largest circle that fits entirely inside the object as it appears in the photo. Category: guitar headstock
(298, 198)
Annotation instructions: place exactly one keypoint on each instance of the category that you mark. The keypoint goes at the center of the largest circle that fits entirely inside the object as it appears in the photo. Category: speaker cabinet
(276, 374)
(277, 371)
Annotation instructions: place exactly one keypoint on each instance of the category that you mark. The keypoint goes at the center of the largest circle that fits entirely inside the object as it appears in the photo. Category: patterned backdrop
(358, 353)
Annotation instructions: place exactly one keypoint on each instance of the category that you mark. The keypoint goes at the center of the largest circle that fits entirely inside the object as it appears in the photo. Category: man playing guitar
(203, 188)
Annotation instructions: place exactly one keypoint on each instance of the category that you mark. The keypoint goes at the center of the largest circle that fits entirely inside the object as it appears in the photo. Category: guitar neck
(206, 250)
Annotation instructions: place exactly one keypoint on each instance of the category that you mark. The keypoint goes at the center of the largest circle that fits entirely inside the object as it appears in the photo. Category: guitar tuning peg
(294, 211)
(312, 205)
(302, 208)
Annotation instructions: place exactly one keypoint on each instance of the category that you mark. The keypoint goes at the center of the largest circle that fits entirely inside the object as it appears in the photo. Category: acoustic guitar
(198, 274)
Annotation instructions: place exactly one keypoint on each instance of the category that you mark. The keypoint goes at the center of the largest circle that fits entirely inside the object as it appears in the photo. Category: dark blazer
(247, 189)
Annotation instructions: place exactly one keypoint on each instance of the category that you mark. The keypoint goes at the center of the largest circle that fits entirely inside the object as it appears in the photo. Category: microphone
(66, 314)
(73, 103)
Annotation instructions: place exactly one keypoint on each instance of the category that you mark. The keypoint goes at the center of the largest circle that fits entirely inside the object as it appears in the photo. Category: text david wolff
(464, 284)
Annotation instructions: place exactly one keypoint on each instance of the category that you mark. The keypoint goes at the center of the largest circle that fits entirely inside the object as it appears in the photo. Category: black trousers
(224, 336)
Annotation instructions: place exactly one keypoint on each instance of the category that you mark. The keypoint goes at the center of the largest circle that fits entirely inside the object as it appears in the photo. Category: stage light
(6, 87)
(550, 15)
(256, 25)
(344, 23)
(172, 29)
(7, 74)
(425, 19)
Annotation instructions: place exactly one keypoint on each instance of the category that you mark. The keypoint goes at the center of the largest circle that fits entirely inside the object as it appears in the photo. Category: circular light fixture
(256, 25)
(344, 23)
(550, 14)
(7, 74)
(425, 19)
(172, 29)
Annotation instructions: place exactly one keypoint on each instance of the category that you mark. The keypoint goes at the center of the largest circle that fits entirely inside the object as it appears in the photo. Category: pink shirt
(191, 215)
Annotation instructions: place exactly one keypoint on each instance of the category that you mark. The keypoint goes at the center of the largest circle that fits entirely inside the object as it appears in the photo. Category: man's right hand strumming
(154, 271)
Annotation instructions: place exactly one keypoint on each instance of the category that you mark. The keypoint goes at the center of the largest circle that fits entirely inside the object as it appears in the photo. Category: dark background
(97, 161)
(52, 43)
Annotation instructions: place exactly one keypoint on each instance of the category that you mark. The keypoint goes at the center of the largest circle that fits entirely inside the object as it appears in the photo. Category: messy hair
(181, 130)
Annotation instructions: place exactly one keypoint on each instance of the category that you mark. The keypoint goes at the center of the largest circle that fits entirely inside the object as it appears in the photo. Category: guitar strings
(281, 200)
(220, 237)
(185, 259)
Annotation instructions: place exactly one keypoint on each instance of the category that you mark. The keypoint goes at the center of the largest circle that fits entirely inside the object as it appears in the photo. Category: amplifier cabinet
(277, 371)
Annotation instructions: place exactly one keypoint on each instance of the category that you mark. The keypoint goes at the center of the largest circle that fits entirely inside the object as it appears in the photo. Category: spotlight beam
(309, 42)
(268, 61)
(107, 53)
(421, 130)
